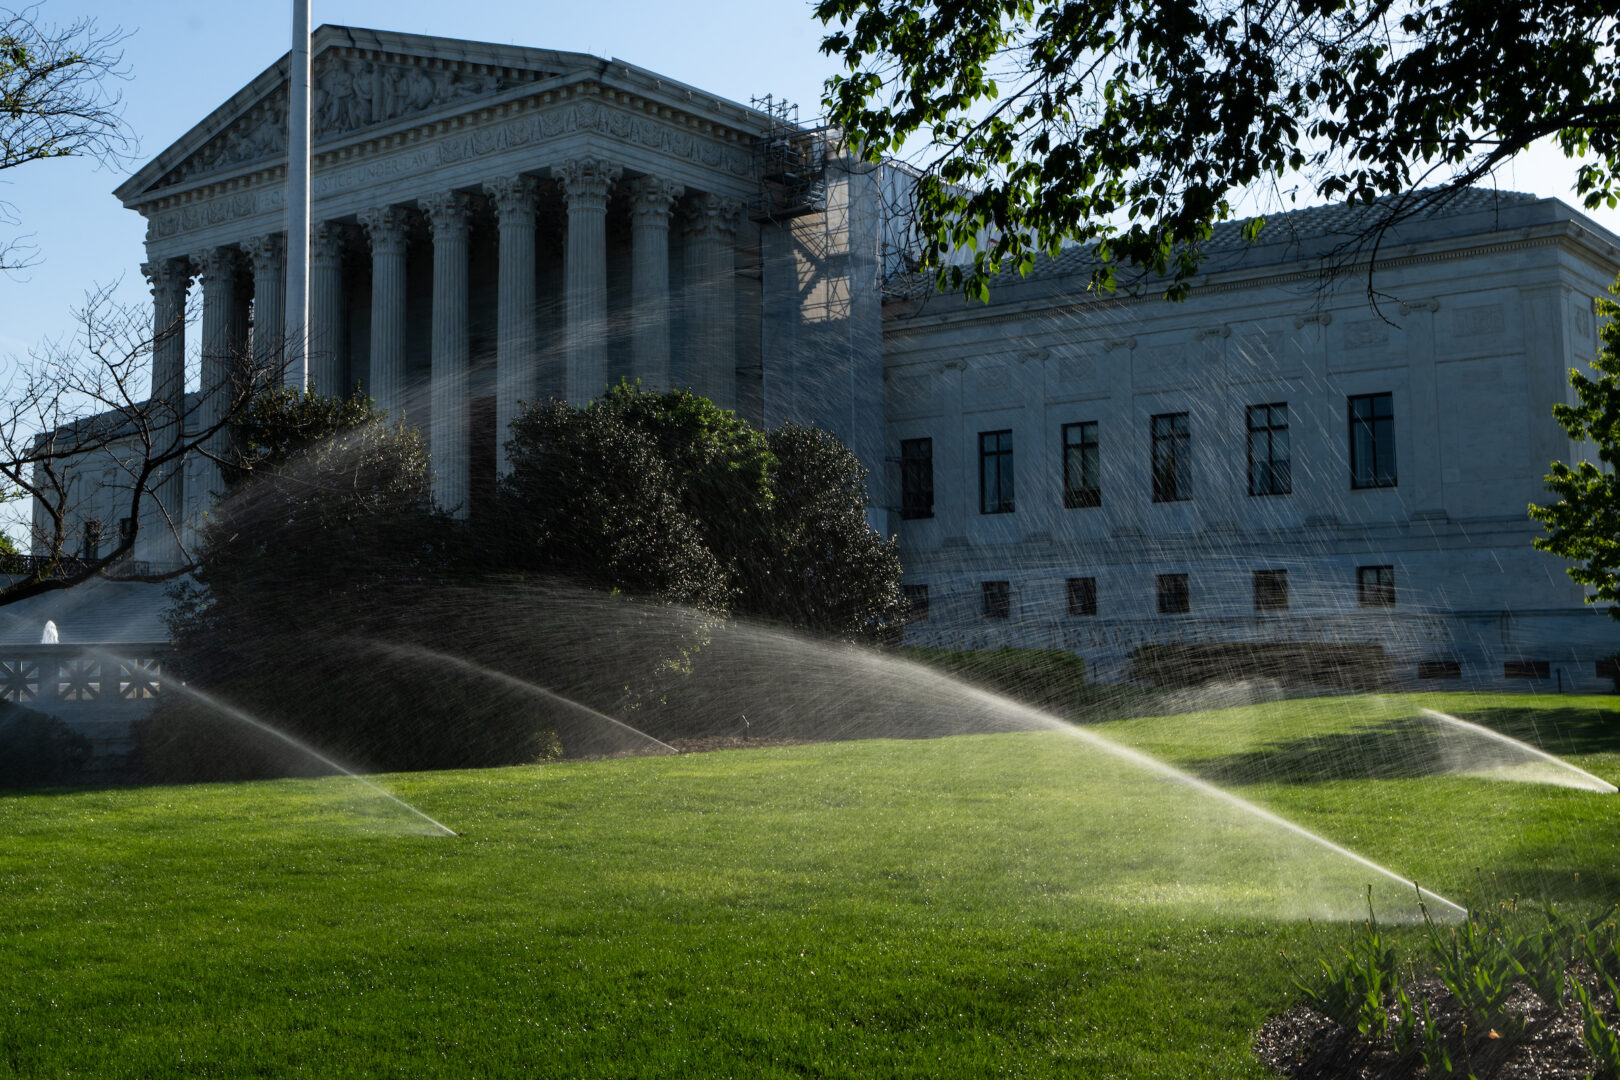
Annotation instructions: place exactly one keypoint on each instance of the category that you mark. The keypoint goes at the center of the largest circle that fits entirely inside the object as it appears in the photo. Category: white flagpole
(297, 326)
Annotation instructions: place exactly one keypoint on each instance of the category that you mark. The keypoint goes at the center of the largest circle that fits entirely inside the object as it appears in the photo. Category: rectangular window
(995, 472)
(997, 599)
(1270, 590)
(1372, 441)
(1375, 586)
(1172, 458)
(916, 603)
(1081, 480)
(126, 530)
(1173, 596)
(1270, 466)
(92, 539)
(916, 478)
(1527, 669)
(1082, 596)
(1439, 669)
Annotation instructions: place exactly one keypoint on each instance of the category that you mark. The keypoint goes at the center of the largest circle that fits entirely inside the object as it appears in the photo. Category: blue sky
(186, 56)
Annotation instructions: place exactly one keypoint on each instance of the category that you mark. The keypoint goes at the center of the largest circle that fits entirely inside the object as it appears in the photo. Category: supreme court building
(493, 225)
(1274, 461)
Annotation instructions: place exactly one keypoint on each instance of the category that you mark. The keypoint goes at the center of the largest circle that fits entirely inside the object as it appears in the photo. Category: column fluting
(268, 257)
(170, 279)
(326, 309)
(517, 374)
(216, 270)
(585, 183)
(711, 233)
(448, 216)
(651, 201)
(386, 228)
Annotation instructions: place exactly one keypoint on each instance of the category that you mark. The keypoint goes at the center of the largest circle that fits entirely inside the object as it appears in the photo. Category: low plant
(1356, 992)
(1477, 966)
(38, 750)
(1602, 1039)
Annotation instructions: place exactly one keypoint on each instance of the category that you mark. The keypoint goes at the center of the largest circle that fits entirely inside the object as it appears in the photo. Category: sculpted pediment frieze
(350, 93)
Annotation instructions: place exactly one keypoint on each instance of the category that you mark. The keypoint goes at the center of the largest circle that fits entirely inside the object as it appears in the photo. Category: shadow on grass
(1408, 747)
(1394, 749)
(1557, 731)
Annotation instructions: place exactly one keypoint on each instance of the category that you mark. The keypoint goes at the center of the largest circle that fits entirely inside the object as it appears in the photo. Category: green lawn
(1016, 904)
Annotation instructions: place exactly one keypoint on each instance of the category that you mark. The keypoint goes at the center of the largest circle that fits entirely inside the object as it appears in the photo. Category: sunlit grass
(1013, 904)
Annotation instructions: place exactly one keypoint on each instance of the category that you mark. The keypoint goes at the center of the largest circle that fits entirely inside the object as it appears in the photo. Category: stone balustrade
(46, 677)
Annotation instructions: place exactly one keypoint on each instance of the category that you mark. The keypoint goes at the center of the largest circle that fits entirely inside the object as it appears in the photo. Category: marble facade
(495, 225)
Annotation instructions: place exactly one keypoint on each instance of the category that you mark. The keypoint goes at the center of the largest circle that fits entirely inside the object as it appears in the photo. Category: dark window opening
(916, 603)
(1439, 669)
(1270, 590)
(1372, 441)
(1270, 464)
(1082, 596)
(1172, 458)
(126, 530)
(1527, 669)
(1174, 598)
(997, 599)
(1375, 586)
(995, 472)
(916, 478)
(92, 540)
(1082, 480)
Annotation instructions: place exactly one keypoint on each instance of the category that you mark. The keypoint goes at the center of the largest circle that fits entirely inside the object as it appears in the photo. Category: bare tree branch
(78, 420)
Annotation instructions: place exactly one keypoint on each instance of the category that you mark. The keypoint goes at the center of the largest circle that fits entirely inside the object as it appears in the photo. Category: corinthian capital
(448, 214)
(169, 278)
(514, 199)
(266, 253)
(216, 267)
(585, 182)
(326, 243)
(712, 217)
(387, 228)
(651, 200)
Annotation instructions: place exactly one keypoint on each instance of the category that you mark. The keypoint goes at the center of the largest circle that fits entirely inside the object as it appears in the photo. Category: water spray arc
(1566, 775)
(1169, 772)
(233, 713)
(419, 653)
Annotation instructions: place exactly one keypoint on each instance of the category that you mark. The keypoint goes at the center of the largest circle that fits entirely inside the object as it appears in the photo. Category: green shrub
(37, 750)
(1327, 665)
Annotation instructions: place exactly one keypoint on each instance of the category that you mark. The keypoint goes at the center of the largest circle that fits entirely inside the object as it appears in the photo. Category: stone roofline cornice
(610, 81)
(1596, 246)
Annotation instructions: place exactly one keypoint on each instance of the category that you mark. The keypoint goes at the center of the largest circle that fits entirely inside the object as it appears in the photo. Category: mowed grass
(1016, 904)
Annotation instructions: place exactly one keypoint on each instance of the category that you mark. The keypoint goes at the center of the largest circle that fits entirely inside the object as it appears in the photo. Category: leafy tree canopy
(1584, 525)
(667, 495)
(1042, 122)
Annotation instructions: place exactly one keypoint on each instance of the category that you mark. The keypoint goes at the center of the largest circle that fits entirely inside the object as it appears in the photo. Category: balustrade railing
(43, 676)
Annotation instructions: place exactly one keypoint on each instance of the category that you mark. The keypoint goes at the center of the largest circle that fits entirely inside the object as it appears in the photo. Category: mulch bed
(1303, 1044)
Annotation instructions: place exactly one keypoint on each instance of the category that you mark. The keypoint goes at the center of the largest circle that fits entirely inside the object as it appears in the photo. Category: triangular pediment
(364, 80)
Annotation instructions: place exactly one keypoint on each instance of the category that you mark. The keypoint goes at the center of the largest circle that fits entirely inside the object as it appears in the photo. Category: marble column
(651, 200)
(386, 228)
(517, 372)
(170, 279)
(326, 323)
(711, 233)
(268, 256)
(449, 426)
(585, 183)
(216, 270)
